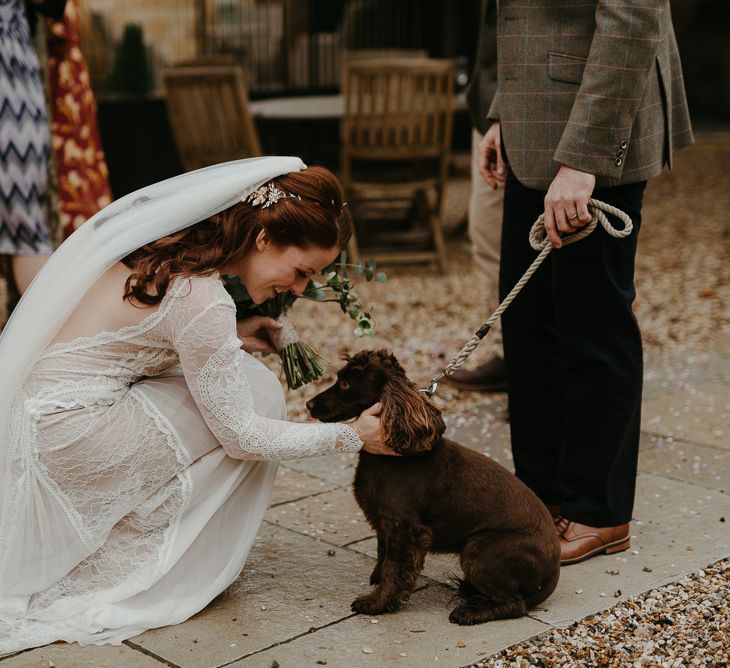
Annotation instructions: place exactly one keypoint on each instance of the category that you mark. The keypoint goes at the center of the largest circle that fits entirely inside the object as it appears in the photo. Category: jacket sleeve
(201, 325)
(622, 54)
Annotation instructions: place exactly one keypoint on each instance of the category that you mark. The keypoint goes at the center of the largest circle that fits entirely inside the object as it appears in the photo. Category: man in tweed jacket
(590, 103)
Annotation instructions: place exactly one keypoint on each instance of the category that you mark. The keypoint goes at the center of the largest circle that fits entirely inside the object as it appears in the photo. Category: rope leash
(539, 242)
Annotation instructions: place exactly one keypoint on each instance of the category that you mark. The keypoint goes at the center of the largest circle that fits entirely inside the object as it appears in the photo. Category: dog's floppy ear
(408, 421)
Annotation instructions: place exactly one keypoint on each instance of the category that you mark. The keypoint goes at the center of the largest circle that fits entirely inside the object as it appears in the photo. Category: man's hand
(254, 335)
(491, 165)
(566, 203)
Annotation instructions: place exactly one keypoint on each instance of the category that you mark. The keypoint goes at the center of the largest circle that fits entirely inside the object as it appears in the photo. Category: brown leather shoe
(487, 377)
(579, 541)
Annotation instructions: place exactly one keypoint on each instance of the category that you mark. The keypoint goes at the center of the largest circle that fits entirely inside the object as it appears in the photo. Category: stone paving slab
(338, 469)
(292, 484)
(492, 440)
(333, 517)
(290, 585)
(700, 414)
(61, 655)
(671, 373)
(704, 465)
(678, 529)
(417, 635)
(437, 567)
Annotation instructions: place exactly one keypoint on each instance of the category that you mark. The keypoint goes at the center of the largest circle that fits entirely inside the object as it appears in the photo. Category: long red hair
(320, 218)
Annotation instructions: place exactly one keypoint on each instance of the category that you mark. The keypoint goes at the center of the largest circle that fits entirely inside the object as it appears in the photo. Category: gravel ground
(686, 623)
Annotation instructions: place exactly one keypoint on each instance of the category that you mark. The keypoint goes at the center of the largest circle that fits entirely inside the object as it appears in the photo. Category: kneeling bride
(138, 437)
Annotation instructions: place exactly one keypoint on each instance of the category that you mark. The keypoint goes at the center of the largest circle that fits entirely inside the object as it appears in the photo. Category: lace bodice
(73, 383)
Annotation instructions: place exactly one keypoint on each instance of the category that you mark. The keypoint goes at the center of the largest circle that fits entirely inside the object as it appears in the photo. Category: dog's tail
(501, 605)
(547, 587)
(466, 591)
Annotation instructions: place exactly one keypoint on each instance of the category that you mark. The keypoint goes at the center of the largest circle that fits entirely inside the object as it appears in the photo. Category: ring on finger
(573, 216)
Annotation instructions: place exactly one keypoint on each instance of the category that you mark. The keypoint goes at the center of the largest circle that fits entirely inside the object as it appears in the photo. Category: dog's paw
(464, 616)
(366, 605)
(373, 605)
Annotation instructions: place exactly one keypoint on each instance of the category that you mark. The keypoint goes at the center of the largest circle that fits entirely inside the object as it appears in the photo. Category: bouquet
(300, 361)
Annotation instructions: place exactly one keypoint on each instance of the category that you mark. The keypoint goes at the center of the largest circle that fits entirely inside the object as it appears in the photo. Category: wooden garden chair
(395, 146)
(349, 56)
(209, 114)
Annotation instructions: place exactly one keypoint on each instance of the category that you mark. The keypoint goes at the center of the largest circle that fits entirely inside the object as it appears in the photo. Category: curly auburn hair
(320, 218)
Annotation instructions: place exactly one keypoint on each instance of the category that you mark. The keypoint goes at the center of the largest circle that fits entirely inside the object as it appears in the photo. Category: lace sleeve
(201, 325)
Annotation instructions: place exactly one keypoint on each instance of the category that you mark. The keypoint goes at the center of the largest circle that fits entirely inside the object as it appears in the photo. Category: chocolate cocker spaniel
(440, 497)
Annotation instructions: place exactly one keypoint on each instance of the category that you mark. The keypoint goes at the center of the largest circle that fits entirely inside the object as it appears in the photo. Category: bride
(137, 434)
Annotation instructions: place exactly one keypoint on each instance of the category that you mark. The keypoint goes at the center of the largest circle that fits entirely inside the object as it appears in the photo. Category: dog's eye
(343, 385)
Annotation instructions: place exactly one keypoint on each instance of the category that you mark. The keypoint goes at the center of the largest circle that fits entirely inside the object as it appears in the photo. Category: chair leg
(438, 241)
(434, 220)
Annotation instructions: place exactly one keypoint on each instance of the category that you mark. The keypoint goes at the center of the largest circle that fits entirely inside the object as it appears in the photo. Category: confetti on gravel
(686, 623)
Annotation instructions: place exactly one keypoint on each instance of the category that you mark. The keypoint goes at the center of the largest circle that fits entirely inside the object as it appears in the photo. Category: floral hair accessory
(267, 195)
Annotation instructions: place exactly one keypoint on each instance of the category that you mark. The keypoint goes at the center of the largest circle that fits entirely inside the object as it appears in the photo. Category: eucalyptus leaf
(319, 294)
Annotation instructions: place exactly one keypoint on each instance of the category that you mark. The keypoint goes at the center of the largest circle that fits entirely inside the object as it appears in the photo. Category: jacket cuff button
(620, 153)
(618, 162)
(623, 143)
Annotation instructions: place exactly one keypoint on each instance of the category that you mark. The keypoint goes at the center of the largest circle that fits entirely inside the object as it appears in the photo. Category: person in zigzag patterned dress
(24, 145)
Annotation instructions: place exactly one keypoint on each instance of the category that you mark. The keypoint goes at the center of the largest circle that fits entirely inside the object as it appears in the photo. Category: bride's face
(269, 269)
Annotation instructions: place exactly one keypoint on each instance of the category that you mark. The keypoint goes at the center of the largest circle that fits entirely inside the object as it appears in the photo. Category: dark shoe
(487, 377)
(579, 541)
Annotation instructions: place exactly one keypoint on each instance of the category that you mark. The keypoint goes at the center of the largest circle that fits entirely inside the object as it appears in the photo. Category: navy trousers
(574, 364)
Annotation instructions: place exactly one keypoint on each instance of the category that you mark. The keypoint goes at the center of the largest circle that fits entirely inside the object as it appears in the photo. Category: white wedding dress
(136, 465)
(159, 441)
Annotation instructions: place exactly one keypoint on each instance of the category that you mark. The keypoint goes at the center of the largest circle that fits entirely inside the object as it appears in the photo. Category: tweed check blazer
(592, 84)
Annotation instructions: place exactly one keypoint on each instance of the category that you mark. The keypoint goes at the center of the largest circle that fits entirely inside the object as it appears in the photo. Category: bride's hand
(254, 333)
(367, 427)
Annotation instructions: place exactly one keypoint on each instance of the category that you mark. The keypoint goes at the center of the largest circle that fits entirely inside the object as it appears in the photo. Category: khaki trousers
(485, 232)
